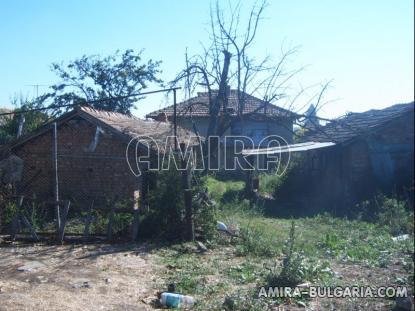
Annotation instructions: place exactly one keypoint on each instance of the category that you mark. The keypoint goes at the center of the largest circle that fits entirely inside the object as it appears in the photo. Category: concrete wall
(256, 130)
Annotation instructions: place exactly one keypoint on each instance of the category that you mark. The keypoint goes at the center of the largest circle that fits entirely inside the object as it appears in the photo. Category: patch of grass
(228, 275)
(356, 241)
(218, 189)
(255, 241)
(243, 273)
(185, 269)
(270, 182)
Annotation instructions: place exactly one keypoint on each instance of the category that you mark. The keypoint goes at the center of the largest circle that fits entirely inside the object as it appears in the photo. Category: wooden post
(55, 175)
(16, 219)
(249, 176)
(136, 215)
(187, 187)
(20, 126)
(110, 221)
(65, 211)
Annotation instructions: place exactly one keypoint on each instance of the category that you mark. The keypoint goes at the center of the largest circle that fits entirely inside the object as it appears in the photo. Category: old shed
(372, 152)
(91, 156)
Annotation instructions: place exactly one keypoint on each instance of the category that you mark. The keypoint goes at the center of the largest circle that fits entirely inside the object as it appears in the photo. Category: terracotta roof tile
(199, 106)
(355, 124)
(127, 126)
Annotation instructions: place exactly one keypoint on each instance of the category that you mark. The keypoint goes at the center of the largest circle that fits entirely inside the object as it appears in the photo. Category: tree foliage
(32, 120)
(105, 82)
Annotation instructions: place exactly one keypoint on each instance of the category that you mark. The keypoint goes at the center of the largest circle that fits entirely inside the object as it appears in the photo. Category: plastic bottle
(171, 300)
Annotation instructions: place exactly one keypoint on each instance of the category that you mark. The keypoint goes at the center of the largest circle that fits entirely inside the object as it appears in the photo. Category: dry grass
(118, 278)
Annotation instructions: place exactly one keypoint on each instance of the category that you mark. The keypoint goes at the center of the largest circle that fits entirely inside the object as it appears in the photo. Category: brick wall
(83, 175)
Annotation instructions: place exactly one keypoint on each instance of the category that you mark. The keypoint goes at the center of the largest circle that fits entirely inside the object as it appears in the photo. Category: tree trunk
(214, 106)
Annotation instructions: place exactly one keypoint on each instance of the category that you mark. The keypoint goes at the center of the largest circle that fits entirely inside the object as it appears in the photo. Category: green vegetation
(396, 216)
(320, 250)
(220, 191)
(93, 77)
(269, 183)
(166, 220)
(10, 124)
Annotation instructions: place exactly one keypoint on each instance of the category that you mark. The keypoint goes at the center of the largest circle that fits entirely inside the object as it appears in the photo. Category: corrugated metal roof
(288, 148)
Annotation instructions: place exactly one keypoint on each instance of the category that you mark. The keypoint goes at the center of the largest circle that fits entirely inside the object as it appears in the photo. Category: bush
(8, 211)
(270, 183)
(394, 215)
(166, 217)
(291, 272)
(255, 242)
(31, 209)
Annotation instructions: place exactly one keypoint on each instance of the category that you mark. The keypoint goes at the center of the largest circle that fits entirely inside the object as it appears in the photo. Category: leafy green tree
(103, 80)
(9, 124)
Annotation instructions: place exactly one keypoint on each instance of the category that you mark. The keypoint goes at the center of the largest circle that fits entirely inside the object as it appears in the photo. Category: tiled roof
(133, 126)
(199, 107)
(356, 124)
(127, 126)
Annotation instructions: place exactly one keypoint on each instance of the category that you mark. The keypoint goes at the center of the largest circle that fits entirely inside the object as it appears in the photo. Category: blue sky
(365, 47)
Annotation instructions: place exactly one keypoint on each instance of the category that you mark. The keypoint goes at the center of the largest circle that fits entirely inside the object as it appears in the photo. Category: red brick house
(91, 155)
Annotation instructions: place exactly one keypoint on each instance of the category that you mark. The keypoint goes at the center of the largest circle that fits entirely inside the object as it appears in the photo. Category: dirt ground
(76, 277)
(128, 277)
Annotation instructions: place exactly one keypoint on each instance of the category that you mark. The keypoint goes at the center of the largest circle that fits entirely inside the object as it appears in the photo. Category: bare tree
(228, 62)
